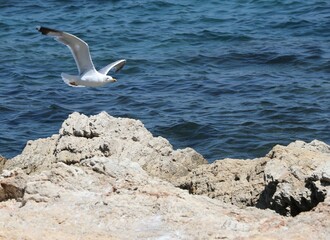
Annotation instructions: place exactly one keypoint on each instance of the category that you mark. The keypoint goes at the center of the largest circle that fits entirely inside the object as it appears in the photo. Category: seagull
(88, 75)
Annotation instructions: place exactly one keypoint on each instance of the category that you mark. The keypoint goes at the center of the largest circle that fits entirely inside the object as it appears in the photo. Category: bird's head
(110, 79)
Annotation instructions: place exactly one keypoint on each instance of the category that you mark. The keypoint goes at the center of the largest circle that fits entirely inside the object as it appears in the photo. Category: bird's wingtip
(45, 30)
(42, 30)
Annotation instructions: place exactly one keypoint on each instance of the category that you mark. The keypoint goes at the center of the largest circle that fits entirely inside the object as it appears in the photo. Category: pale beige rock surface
(100, 178)
(103, 198)
(290, 179)
(234, 181)
(296, 177)
(2, 163)
(102, 135)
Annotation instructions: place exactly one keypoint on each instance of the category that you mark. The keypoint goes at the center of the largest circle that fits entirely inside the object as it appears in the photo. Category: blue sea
(227, 78)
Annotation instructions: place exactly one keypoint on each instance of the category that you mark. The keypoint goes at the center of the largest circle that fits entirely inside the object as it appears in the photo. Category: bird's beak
(114, 80)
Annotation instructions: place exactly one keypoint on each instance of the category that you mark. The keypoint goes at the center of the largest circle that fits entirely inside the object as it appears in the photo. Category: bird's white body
(88, 79)
(88, 75)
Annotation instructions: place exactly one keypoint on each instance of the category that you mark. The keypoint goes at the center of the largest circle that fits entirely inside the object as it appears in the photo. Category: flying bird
(88, 75)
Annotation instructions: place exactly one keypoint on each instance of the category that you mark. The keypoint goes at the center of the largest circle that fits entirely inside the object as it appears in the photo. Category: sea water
(227, 78)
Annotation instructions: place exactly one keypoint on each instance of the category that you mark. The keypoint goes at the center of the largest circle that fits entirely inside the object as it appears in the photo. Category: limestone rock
(105, 198)
(2, 163)
(290, 179)
(37, 154)
(296, 177)
(102, 135)
(234, 181)
(12, 184)
(103, 178)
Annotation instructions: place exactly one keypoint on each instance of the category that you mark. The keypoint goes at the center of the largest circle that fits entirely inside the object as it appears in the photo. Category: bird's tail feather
(70, 80)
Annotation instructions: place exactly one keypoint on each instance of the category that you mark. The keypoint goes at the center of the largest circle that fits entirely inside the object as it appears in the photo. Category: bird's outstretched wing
(78, 47)
(117, 65)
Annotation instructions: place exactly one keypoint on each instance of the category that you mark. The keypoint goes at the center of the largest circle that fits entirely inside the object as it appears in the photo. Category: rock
(37, 154)
(105, 198)
(102, 135)
(234, 181)
(296, 177)
(289, 179)
(115, 198)
(108, 178)
(12, 185)
(2, 163)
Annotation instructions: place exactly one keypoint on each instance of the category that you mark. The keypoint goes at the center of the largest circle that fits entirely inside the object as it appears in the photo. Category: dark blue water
(228, 78)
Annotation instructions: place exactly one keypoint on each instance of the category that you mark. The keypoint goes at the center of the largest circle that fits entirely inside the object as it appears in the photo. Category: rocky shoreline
(103, 177)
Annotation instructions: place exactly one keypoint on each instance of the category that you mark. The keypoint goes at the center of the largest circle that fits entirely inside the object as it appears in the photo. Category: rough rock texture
(102, 135)
(297, 177)
(105, 178)
(233, 181)
(2, 163)
(103, 198)
(290, 179)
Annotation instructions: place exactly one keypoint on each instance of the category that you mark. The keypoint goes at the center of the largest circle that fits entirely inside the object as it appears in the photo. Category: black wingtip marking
(45, 30)
(120, 66)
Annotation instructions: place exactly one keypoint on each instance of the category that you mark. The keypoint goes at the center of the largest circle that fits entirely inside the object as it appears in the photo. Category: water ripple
(231, 79)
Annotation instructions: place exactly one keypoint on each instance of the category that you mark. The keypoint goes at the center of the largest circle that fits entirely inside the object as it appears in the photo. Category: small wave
(208, 35)
(293, 24)
(187, 130)
(283, 59)
(5, 109)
